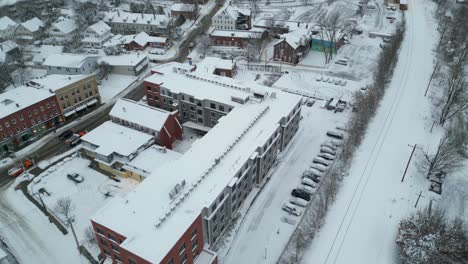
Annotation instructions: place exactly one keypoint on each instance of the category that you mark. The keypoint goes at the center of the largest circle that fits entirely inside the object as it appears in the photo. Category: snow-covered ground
(263, 234)
(361, 226)
(113, 85)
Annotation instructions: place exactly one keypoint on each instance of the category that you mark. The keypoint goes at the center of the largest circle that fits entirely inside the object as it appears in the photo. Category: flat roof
(150, 159)
(21, 97)
(252, 33)
(141, 114)
(56, 81)
(210, 64)
(207, 168)
(114, 138)
(66, 60)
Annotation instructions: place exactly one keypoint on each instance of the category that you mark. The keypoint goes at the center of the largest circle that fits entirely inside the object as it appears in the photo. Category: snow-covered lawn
(88, 196)
(263, 233)
(113, 85)
(189, 137)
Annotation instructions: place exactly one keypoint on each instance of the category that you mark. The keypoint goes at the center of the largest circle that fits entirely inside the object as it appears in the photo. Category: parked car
(343, 62)
(71, 138)
(335, 134)
(300, 194)
(75, 177)
(27, 164)
(308, 182)
(306, 189)
(75, 142)
(298, 201)
(326, 156)
(15, 172)
(291, 209)
(82, 133)
(65, 134)
(318, 167)
(313, 177)
(322, 161)
(328, 150)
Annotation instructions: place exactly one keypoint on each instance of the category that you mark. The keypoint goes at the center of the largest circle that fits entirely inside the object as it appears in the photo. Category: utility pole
(407, 164)
(417, 201)
(430, 80)
(69, 220)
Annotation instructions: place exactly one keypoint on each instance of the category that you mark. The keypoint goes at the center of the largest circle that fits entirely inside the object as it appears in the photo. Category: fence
(261, 67)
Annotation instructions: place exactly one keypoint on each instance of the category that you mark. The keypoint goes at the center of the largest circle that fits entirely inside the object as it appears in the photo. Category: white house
(29, 30)
(96, 34)
(127, 64)
(63, 29)
(71, 64)
(232, 18)
(7, 27)
(133, 23)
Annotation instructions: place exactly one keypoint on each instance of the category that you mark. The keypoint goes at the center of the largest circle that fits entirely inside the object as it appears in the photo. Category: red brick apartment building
(26, 112)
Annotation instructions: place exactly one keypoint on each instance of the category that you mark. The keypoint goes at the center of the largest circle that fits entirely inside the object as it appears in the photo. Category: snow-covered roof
(55, 81)
(5, 47)
(210, 64)
(252, 33)
(150, 159)
(142, 39)
(5, 22)
(233, 12)
(45, 51)
(114, 138)
(2, 254)
(141, 114)
(173, 67)
(66, 60)
(33, 24)
(124, 59)
(21, 97)
(65, 25)
(207, 168)
(296, 38)
(180, 7)
(136, 18)
(99, 27)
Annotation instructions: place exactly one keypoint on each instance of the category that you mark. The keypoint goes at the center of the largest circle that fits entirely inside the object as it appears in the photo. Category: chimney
(17, 105)
(123, 108)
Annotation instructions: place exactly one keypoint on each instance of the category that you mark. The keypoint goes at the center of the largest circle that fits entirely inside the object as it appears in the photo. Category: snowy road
(361, 226)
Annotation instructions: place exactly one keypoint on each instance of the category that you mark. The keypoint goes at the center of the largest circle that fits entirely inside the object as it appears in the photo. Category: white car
(318, 167)
(322, 161)
(326, 156)
(328, 150)
(306, 189)
(298, 201)
(313, 171)
(329, 145)
(291, 209)
(308, 182)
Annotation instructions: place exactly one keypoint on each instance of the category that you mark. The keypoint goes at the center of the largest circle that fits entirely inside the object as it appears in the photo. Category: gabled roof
(65, 25)
(6, 46)
(143, 115)
(5, 22)
(296, 38)
(33, 24)
(136, 18)
(66, 60)
(99, 27)
(233, 12)
(142, 39)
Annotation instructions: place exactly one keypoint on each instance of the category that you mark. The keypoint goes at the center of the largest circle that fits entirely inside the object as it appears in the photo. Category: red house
(142, 41)
(188, 11)
(25, 113)
(163, 125)
(236, 38)
(293, 46)
(218, 66)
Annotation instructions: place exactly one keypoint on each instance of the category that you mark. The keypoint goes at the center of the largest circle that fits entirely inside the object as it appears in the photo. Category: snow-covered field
(113, 85)
(361, 226)
(263, 234)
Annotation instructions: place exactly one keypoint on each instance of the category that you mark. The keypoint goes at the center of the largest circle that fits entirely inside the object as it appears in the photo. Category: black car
(65, 134)
(300, 194)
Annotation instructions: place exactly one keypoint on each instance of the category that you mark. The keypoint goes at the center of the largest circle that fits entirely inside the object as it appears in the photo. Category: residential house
(188, 11)
(127, 64)
(142, 41)
(75, 93)
(217, 66)
(112, 146)
(237, 38)
(133, 23)
(187, 205)
(7, 28)
(26, 112)
(29, 30)
(232, 18)
(292, 47)
(96, 34)
(63, 29)
(70, 64)
(9, 52)
(164, 126)
(320, 43)
(41, 53)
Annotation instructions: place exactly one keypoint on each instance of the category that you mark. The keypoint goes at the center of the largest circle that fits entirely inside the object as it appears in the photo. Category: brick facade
(284, 52)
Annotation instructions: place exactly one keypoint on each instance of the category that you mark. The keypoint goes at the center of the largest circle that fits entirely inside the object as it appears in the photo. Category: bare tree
(85, 13)
(204, 43)
(65, 208)
(90, 237)
(5, 76)
(332, 29)
(104, 69)
(446, 157)
(455, 99)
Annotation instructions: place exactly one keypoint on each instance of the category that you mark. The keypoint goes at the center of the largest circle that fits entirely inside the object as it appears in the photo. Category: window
(17, 130)
(194, 234)
(131, 261)
(199, 112)
(184, 259)
(191, 99)
(21, 117)
(111, 236)
(104, 242)
(24, 126)
(213, 114)
(221, 108)
(42, 109)
(107, 252)
(171, 261)
(118, 258)
(194, 245)
(213, 106)
(13, 121)
(182, 248)
(7, 124)
(200, 120)
(0, 128)
(114, 247)
(35, 111)
(29, 113)
(3, 136)
(48, 105)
